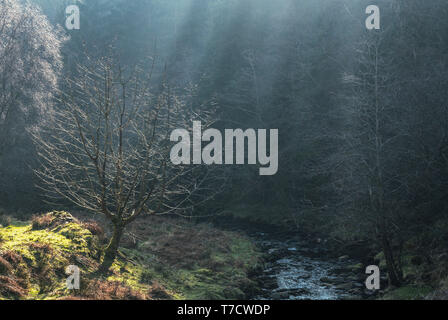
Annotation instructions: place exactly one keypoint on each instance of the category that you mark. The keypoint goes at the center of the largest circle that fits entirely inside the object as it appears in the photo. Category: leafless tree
(30, 61)
(373, 139)
(109, 149)
(30, 64)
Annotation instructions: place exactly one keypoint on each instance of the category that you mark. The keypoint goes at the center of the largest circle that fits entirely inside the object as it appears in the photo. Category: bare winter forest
(211, 149)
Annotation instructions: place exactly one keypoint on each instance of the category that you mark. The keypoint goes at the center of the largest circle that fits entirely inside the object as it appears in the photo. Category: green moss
(19, 239)
(219, 274)
(408, 293)
(56, 240)
(356, 268)
(203, 283)
(46, 252)
(410, 270)
(381, 260)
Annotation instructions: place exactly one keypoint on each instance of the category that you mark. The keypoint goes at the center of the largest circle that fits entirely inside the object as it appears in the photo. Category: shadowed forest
(93, 94)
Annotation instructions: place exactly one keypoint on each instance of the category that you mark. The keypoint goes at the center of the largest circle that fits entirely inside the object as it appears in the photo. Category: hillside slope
(166, 259)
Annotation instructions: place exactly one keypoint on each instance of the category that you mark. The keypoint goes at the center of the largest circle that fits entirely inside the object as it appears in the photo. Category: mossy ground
(192, 261)
(274, 216)
(160, 259)
(409, 292)
(424, 264)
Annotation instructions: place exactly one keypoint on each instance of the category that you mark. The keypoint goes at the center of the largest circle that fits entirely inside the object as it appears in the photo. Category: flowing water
(298, 270)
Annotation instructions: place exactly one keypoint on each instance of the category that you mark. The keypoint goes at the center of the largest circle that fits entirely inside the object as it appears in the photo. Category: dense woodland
(362, 117)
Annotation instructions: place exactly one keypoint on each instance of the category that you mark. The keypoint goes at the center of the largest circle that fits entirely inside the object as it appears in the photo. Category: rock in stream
(295, 270)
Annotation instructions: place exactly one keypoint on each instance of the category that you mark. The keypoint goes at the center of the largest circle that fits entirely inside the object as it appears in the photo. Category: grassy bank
(160, 259)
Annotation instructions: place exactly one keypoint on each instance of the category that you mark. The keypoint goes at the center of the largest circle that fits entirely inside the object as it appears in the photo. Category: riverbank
(299, 266)
(160, 258)
(172, 258)
(424, 262)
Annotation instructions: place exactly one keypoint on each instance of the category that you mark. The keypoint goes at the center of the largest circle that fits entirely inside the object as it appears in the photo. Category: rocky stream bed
(300, 268)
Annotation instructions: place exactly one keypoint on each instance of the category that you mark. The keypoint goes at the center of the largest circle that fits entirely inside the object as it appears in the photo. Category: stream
(300, 268)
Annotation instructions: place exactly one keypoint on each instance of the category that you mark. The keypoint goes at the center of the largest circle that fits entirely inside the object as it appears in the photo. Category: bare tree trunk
(393, 270)
(112, 249)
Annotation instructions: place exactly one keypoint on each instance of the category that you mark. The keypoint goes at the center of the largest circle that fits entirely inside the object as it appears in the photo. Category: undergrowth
(160, 259)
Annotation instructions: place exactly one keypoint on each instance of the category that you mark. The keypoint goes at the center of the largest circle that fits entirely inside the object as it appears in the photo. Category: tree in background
(370, 166)
(30, 63)
(390, 169)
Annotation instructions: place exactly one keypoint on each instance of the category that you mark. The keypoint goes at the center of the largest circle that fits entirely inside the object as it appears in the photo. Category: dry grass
(41, 222)
(158, 292)
(182, 244)
(5, 266)
(52, 220)
(106, 290)
(94, 227)
(13, 282)
(169, 258)
(11, 287)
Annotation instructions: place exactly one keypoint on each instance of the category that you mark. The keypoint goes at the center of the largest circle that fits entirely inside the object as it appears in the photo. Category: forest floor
(160, 258)
(235, 258)
(423, 259)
